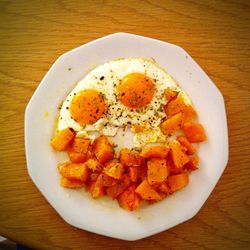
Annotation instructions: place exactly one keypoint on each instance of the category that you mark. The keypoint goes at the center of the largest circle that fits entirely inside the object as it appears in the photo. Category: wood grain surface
(34, 33)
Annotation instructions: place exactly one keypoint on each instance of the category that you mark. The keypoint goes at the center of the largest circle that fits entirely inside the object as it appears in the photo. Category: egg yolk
(87, 106)
(136, 90)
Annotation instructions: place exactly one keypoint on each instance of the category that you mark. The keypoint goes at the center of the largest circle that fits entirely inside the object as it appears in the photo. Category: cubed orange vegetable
(133, 173)
(94, 176)
(119, 187)
(184, 149)
(90, 186)
(170, 94)
(157, 170)
(193, 163)
(67, 183)
(78, 149)
(94, 165)
(74, 171)
(175, 106)
(143, 170)
(147, 192)
(105, 180)
(194, 132)
(177, 182)
(114, 169)
(172, 169)
(129, 199)
(188, 114)
(130, 158)
(163, 187)
(163, 195)
(96, 189)
(185, 142)
(172, 124)
(178, 156)
(62, 139)
(90, 154)
(103, 150)
(155, 151)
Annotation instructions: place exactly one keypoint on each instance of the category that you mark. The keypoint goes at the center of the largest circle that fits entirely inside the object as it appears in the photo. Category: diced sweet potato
(185, 142)
(194, 132)
(62, 139)
(114, 169)
(129, 199)
(170, 94)
(90, 154)
(94, 176)
(178, 156)
(184, 149)
(67, 183)
(74, 171)
(157, 170)
(155, 151)
(163, 195)
(133, 173)
(188, 114)
(93, 165)
(90, 186)
(147, 192)
(130, 158)
(78, 150)
(143, 170)
(119, 187)
(103, 150)
(172, 124)
(177, 182)
(175, 106)
(193, 163)
(105, 180)
(172, 169)
(96, 189)
(163, 187)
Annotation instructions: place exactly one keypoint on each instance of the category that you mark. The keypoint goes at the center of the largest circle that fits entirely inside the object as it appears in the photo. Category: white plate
(104, 216)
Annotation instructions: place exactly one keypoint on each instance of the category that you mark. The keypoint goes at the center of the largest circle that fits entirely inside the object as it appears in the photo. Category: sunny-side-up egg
(125, 93)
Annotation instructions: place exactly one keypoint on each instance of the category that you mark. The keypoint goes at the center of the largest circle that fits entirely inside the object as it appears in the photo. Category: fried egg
(120, 94)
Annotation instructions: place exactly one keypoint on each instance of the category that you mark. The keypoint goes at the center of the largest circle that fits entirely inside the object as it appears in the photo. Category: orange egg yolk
(136, 90)
(87, 106)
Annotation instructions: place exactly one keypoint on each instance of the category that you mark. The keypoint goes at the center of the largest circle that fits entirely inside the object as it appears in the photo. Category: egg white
(105, 79)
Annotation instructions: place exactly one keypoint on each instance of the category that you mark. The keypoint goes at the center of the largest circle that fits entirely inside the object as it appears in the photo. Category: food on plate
(147, 192)
(176, 182)
(114, 170)
(194, 132)
(180, 158)
(74, 171)
(188, 147)
(129, 199)
(155, 151)
(62, 139)
(157, 170)
(130, 96)
(125, 92)
(78, 150)
(130, 158)
(103, 150)
(68, 183)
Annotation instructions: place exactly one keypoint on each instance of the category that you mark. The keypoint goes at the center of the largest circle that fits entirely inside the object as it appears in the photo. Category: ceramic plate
(104, 216)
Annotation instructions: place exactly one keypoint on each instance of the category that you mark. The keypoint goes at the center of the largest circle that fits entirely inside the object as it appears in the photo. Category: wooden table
(34, 33)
